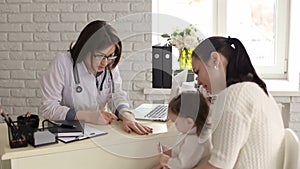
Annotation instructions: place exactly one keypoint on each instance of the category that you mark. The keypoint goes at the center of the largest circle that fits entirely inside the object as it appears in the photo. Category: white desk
(117, 149)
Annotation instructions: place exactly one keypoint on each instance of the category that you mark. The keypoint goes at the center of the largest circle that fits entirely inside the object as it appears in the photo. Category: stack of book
(69, 128)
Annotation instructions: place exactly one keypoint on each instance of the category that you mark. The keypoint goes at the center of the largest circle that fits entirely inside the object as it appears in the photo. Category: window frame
(279, 70)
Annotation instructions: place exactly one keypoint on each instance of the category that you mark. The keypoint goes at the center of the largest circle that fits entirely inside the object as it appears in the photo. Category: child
(189, 112)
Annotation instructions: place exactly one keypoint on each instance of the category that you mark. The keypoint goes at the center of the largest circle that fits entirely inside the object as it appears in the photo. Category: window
(262, 26)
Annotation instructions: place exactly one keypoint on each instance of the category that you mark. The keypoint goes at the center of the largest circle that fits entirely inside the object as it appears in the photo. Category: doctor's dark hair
(239, 68)
(96, 35)
(190, 104)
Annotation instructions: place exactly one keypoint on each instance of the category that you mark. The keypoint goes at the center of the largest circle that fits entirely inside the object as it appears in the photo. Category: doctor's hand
(108, 116)
(131, 125)
(95, 117)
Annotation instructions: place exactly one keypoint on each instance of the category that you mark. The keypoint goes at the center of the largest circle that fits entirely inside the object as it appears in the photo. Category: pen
(15, 133)
(160, 148)
(64, 125)
(11, 122)
(8, 122)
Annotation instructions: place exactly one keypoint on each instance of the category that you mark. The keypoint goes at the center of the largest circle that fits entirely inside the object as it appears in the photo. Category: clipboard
(89, 132)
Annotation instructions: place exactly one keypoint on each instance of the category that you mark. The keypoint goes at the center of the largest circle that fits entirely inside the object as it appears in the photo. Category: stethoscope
(79, 89)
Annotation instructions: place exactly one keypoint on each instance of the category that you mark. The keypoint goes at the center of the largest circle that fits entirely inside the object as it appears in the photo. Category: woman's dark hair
(239, 68)
(96, 35)
(191, 104)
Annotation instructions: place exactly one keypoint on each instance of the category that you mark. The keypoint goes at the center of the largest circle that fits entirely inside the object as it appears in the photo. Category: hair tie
(250, 75)
(229, 40)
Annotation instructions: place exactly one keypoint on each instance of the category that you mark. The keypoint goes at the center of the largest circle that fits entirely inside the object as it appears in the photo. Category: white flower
(190, 42)
(193, 33)
(177, 41)
(183, 39)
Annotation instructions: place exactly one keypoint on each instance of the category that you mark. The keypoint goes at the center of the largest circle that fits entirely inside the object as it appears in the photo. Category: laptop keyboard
(158, 112)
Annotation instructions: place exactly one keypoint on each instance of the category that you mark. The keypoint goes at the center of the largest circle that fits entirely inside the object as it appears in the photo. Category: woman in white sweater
(247, 128)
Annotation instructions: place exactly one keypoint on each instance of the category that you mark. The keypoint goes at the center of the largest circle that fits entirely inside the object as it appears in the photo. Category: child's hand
(165, 148)
(161, 148)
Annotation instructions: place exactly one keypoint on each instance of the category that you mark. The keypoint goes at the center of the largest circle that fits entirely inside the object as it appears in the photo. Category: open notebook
(159, 112)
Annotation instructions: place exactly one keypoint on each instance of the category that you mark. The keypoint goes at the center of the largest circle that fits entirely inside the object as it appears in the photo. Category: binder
(161, 66)
(167, 67)
(157, 67)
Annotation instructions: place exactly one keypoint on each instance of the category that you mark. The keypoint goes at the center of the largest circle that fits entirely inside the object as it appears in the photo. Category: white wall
(290, 111)
(33, 31)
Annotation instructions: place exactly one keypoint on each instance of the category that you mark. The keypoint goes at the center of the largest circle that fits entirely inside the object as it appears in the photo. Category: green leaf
(175, 34)
(165, 35)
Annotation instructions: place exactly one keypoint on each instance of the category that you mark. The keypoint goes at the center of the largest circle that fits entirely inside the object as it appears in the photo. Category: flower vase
(185, 59)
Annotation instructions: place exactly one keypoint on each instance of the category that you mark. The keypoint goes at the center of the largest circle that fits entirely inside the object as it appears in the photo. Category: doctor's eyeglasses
(100, 57)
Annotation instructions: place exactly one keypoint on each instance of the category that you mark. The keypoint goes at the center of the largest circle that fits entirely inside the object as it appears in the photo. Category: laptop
(159, 112)
(177, 82)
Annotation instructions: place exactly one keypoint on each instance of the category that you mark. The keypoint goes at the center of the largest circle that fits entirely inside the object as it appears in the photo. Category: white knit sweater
(248, 131)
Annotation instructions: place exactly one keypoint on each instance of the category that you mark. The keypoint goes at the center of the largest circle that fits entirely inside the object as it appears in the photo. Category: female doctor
(85, 83)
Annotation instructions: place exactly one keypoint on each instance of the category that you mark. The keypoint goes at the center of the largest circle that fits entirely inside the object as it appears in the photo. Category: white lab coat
(59, 94)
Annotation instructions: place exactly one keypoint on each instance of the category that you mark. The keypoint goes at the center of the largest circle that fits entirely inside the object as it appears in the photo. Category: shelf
(157, 91)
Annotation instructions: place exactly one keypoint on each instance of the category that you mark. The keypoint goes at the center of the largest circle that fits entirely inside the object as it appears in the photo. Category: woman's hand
(205, 166)
(164, 160)
(158, 167)
(131, 125)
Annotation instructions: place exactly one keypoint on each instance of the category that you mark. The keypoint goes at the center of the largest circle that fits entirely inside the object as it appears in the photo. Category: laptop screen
(177, 82)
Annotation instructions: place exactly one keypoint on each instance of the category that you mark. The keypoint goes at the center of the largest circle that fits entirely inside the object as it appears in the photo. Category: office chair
(292, 150)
